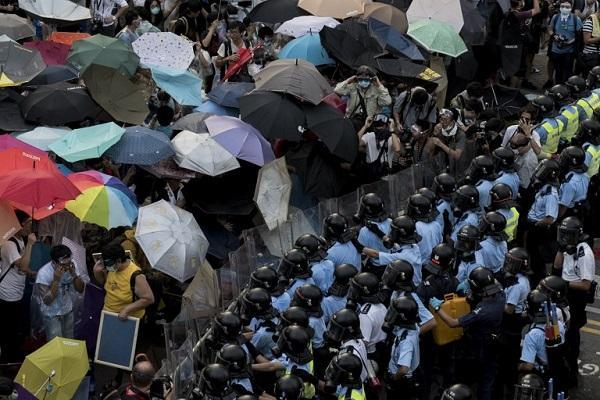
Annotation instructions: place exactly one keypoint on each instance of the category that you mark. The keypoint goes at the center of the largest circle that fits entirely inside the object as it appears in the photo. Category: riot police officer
(444, 186)
(375, 224)
(438, 277)
(556, 289)
(468, 252)
(258, 314)
(466, 208)
(336, 296)
(338, 235)
(504, 161)
(549, 127)
(214, 384)
(502, 202)
(235, 359)
(493, 246)
(289, 387)
(309, 297)
(295, 269)
(293, 316)
(574, 186)
(457, 392)
(226, 328)
(344, 335)
(321, 268)
(530, 387)
(343, 377)
(421, 209)
(589, 138)
(578, 87)
(569, 113)
(267, 278)
(481, 173)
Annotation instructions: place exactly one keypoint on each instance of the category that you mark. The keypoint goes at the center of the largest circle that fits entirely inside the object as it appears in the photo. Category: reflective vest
(586, 107)
(572, 126)
(309, 389)
(354, 395)
(594, 100)
(593, 151)
(552, 135)
(511, 224)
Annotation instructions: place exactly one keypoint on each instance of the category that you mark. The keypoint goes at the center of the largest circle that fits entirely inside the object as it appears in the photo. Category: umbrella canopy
(402, 68)
(36, 187)
(346, 49)
(192, 122)
(474, 29)
(210, 107)
(18, 64)
(272, 194)
(55, 11)
(42, 136)
(52, 53)
(171, 239)
(164, 49)
(447, 11)
(275, 11)
(200, 152)
(54, 74)
(297, 77)
(65, 361)
(14, 158)
(359, 30)
(333, 8)
(103, 50)
(394, 40)
(116, 94)
(240, 139)
(437, 36)
(167, 169)
(275, 115)
(104, 200)
(506, 100)
(141, 146)
(68, 38)
(9, 142)
(387, 14)
(334, 130)
(58, 104)
(183, 86)
(307, 47)
(86, 143)
(303, 25)
(15, 27)
(227, 93)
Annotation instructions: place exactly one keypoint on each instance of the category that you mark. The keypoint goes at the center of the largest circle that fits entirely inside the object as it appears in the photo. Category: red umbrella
(8, 142)
(245, 57)
(53, 53)
(68, 37)
(36, 188)
(12, 159)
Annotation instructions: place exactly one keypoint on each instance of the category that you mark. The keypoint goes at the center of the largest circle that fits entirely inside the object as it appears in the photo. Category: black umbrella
(54, 74)
(275, 115)
(466, 66)
(474, 28)
(505, 100)
(346, 49)
(58, 104)
(275, 11)
(11, 119)
(406, 71)
(359, 30)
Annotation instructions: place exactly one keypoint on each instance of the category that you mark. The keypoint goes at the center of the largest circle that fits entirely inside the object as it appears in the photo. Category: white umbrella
(55, 10)
(171, 239)
(448, 11)
(42, 136)
(305, 24)
(201, 153)
(272, 194)
(16, 27)
(164, 49)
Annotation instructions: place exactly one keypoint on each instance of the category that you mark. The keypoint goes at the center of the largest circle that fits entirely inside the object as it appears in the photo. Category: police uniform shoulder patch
(365, 309)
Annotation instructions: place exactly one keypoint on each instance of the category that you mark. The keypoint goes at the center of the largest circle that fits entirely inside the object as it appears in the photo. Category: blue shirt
(407, 252)
(263, 341)
(483, 187)
(296, 284)
(566, 28)
(288, 364)
(517, 294)
(444, 206)
(319, 327)
(331, 305)
(512, 180)
(244, 382)
(431, 235)
(534, 345)
(369, 239)
(424, 313)
(465, 268)
(574, 189)
(322, 274)
(281, 303)
(493, 252)
(468, 218)
(344, 253)
(405, 351)
(545, 204)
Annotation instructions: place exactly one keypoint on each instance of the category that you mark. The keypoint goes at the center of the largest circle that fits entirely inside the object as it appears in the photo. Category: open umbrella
(402, 68)
(474, 29)
(227, 93)
(200, 152)
(394, 40)
(55, 11)
(213, 108)
(15, 27)
(12, 159)
(333, 129)
(168, 169)
(437, 36)
(303, 25)
(351, 52)
(103, 50)
(240, 139)
(58, 104)
(333, 8)
(104, 200)
(116, 94)
(297, 77)
(164, 49)
(52, 53)
(141, 146)
(68, 38)
(86, 143)
(275, 115)
(359, 30)
(192, 122)
(171, 239)
(275, 11)
(54, 371)
(307, 47)
(447, 11)
(387, 14)
(183, 86)
(18, 64)
(9, 142)
(272, 194)
(506, 100)
(54, 74)
(42, 136)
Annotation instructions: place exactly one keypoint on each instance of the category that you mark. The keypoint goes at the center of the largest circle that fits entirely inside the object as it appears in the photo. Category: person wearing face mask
(156, 17)
(128, 34)
(413, 105)
(450, 143)
(563, 30)
(380, 146)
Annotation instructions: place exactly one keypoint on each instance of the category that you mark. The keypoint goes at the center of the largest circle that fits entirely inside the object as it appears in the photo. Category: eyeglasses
(381, 118)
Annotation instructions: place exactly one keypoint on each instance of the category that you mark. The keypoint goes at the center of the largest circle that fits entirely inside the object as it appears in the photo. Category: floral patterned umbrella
(164, 49)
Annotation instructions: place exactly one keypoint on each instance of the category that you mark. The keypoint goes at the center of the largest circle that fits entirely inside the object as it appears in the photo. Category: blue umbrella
(394, 40)
(307, 47)
(211, 107)
(183, 86)
(141, 146)
(226, 93)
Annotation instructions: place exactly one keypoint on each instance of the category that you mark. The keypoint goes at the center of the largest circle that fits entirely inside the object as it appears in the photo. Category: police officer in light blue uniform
(493, 246)
(574, 187)
(444, 186)
(342, 249)
(315, 250)
(259, 316)
(267, 278)
(482, 174)
(504, 160)
(234, 358)
(294, 269)
(421, 209)
(309, 297)
(336, 296)
(468, 253)
(375, 224)
(466, 208)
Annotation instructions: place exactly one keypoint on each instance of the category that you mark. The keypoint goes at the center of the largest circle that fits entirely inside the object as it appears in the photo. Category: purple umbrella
(240, 139)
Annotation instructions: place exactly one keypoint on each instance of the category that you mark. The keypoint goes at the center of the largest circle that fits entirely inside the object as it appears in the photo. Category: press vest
(594, 151)
(511, 224)
(572, 125)
(553, 136)
(118, 290)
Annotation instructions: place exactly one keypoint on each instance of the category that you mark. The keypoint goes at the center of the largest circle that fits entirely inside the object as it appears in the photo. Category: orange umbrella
(12, 159)
(67, 37)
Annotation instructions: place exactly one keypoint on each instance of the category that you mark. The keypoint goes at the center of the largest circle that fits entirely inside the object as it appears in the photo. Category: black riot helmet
(294, 316)
(404, 231)
(421, 208)
(256, 303)
(593, 78)
(536, 300)
(364, 288)
(504, 159)
(544, 104)
(493, 224)
(457, 392)
(314, 247)
(235, 359)
(547, 172)
(589, 131)
(481, 167)
(289, 387)
(430, 194)
(555, 288)
(444, 185)
(441, 260)
(344, 370)
(577, 86)
(266, 278)
(398, 275)
(294, 264)
(467, 239)
(570, 233)
(371, 208)
(516, 262)
(227, 326)
(343, 325)
(572, 159)
(501, 196)
(482, 282)
(214, 381)
(530, 387)
(560, 94)
(466, 198)
(342, 275)
(294, 341)
(334, 227)
(403, 312)
(308, 297)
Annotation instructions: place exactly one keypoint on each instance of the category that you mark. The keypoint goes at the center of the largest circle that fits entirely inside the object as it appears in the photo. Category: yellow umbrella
(54, 371)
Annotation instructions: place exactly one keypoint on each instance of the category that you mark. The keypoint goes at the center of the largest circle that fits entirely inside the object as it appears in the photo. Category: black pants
(542, 247)
(563, 66)
(577, 304)
(11, 338)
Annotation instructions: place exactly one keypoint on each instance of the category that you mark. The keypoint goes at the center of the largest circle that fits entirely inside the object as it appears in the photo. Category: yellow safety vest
(594, 151)
(553, 135)
(586, 107)
(511, 224)
(354, 395)
(572, 126)
(594, 100)
(309, 389)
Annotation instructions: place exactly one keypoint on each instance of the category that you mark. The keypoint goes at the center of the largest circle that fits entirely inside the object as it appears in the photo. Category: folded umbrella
(55, 11)
(272, 194)
(211, 107)
(184, 87)
(116, 94)
(36, 187)
(52, 53)
(15, 27)
(68, 38)
(387, 14)
(164, 49)
(86, 143)
(394, 40)
(333, 8)
(244, 57)
(9, 142)
(333, 129)
(296, 77)
(307, 47)
(276, 11)
(447, 11)
(141, 146)
(303, 25)
(58, 104)
(437, 36)
(18, 64)
(192, 122)
(201, 153)
(227, 93)
(42, 136)
(54, 74)
(275, 115)
(103, 50)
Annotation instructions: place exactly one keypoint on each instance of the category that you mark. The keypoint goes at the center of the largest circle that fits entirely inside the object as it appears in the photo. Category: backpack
(185, 23)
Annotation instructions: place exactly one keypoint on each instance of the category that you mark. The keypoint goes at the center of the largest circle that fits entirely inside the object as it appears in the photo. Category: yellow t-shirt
(118, 290)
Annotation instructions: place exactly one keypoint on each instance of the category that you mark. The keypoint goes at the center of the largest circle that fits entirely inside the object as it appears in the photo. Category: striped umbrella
(104, 200)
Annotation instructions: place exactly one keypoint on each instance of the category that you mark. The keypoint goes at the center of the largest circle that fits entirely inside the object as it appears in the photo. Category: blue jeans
(60, 325)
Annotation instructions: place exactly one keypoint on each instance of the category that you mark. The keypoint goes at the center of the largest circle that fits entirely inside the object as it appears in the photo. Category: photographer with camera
(380, 145)
(143, 385)
(103, 20)
(563, 30)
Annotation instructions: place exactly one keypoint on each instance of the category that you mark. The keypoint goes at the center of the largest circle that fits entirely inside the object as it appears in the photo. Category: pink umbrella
(9, 142)
(53, 53)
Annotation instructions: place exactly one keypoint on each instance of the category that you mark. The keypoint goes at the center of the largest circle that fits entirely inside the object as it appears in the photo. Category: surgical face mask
(565, 11)
(364, 83)
(155, 10)
(450, 131)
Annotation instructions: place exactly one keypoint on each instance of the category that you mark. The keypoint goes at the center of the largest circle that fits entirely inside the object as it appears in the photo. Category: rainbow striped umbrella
(104, 200)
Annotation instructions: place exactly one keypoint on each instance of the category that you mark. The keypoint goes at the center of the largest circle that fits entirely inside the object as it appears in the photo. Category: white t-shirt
(103, 8)
(13, 284)
(370, 141)
(371, 318)
(234, 49)
(580, 265)
(510, 132)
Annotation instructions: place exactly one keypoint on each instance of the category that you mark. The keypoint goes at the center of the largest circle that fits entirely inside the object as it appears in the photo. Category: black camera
(96, 27)
(160, 386)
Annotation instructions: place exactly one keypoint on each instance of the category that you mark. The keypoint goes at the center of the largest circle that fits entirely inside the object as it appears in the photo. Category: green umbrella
(106, 51)
(437, 36)
(86, 143)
